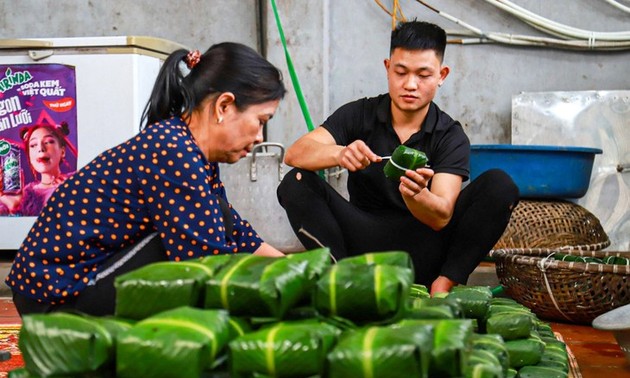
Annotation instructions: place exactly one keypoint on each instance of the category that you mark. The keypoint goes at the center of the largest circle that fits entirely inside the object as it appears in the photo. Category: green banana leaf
(238, 327)
(318, 261)
(284, 284)
(160, 286)
(236, 287)
(404, 158)
(541, 372)
(521, 312)
(216, 262)
(21, 373)
(289, 297)
(504, 301)
(257, 286)
(284, 349)
(363, 293)
(450, 308)
(396, 258)
(430, 312)
(555, 355)
(483, 364)
(545, 331)
(494, 344)
(452, 344)
(60, 344)
(510, 325)
(394, 351)
(526, 351)
(616, 260)
(474, 300)
(182, 342)
(419, 291)
(501, 308)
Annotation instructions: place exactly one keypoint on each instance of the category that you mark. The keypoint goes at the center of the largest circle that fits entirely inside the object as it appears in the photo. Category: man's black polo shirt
(441, 138)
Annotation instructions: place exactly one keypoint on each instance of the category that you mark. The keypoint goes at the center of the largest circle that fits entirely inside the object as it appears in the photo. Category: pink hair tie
(192, 58)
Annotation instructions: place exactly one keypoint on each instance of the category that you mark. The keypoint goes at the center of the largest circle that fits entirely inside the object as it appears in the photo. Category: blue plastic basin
(538, 171)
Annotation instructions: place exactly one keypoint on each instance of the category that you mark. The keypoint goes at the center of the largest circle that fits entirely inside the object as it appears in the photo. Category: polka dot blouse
(157, 181)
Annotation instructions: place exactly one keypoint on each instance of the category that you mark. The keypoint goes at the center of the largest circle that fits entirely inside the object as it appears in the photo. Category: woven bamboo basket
(552, 224)
(572, 292)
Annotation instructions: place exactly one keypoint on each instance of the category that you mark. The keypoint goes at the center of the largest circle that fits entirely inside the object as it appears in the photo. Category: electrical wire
(393, 14)
(555, 28)
(618, 5)
(567, 37)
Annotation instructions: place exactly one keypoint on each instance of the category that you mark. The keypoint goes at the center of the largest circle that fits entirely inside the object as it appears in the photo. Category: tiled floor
(8, 314)
(596, 352)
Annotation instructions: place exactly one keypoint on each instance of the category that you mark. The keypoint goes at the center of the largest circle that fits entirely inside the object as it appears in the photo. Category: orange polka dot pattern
(158, 180)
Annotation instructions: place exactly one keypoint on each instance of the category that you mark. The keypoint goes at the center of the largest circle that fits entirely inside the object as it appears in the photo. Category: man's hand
(356, 156)
(432, 207)
(442, 284)
(415, 181)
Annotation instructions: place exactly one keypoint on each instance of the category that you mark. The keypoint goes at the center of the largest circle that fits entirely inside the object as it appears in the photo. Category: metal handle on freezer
(252, 168)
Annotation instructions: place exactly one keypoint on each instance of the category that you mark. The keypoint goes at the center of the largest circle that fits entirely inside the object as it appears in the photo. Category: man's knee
(294, 183)
(498, 181)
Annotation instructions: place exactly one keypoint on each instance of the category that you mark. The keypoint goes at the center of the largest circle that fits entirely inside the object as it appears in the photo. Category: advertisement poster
(38, 134)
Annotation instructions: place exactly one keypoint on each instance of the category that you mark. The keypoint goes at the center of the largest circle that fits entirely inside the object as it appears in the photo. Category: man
(446, 230)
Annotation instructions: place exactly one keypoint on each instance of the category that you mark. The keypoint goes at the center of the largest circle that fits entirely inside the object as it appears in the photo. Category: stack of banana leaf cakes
(301, 316)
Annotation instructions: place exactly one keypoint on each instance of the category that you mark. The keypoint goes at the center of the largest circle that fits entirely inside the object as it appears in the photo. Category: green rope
(294, 77)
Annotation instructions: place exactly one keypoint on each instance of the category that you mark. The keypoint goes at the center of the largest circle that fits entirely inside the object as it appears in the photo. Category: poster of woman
(38, 134)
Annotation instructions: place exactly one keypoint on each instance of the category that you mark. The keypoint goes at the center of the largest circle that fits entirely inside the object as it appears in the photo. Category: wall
(338, 47)
(194, 23)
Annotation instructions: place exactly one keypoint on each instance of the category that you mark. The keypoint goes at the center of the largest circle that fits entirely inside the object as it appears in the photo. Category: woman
(157, 196)
(45, 146)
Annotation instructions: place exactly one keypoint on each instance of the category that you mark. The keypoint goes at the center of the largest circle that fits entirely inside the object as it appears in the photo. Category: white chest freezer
(105, 81)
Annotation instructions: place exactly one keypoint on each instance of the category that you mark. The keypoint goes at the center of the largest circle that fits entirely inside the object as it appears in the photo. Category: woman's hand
(268, 251)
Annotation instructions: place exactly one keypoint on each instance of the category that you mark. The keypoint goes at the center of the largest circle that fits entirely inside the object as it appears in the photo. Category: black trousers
(100, 298)
(320, 216)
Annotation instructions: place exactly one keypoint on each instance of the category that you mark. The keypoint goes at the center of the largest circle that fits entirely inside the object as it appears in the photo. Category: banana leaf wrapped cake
(182, 342)
(474, 300)
(433, 308)
(382, 351)
(256, 286)
(483, 364)
(495, 345)
(363, 293)
(362, 317)
(395, 258)
(284, 349)
(404, 158)
(452, 344)
(160, 286)
(67, 344)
